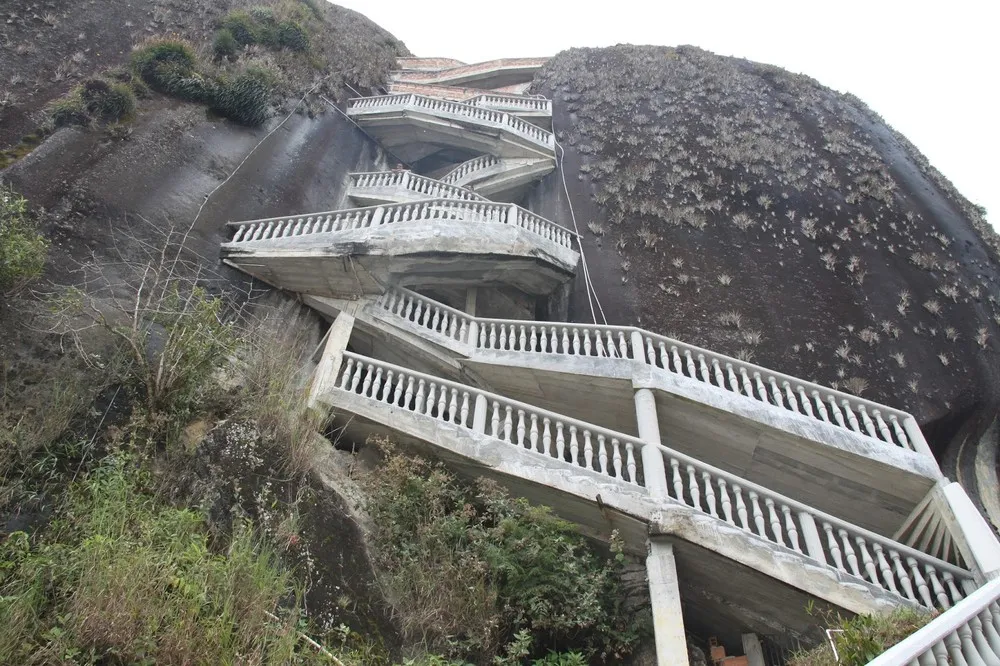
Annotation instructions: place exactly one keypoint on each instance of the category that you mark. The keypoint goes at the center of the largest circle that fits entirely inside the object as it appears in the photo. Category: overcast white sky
(931, 69)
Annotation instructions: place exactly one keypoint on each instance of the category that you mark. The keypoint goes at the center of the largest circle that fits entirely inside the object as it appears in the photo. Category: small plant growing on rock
(22, 247)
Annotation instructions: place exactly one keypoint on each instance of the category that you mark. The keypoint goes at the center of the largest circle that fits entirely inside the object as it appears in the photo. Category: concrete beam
(973, 535)
(665, 598)
(337, 338)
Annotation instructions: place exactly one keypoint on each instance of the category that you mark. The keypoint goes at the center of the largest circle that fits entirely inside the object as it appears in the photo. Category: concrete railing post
(814, 544)
(653, 468)
(665, 599)
(916, 437)
(479, 415)
(972, 534)
(472, 336)
(377, 216)
(638, 348)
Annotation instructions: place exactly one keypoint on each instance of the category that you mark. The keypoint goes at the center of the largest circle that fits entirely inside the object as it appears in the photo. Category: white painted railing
(371, 216)
(515, 103)
(591, 447)
(967, 634)
(862, 417)
(428, 187)
(852, 550)
(427, 313)
(440, 107)
(466, 168)
(446, 73)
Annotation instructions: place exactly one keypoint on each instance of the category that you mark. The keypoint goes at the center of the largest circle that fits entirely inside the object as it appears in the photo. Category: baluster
(866, 560)
(689, 364)
(523, 339)
(706, 479)
(883, 566)
(954, 646)
(758, 515)
(664, 357)
(565, 341)
(734, 385)
(520, 427)
(852, 420)
(453, 327)
(867, 422)
(678, 367)
(602, 455)
(574, 446)
(346, 377)
(616, 458)
(560, 441)
(834, 546)
(576, 341)
(651, 351)
(883, 427)
(602, 351)
(588, 450)
(622, 345)
(693, 487)
(720, 379)
(387, 387)
(761, 390)
(900, 433)
(775, 392)
(741, 508)
(463, 331)
(804, 401)
(493, 336)
(725, 501)
(533, 432)
(745, 383)
(703, 367)
(902, 576)
(546, 436)
(820, 407)
(495, 420)
(431, 399)
(442, 402)
(790, 396)
(367, 384)
(849, 554)
(838, 418)
(631, 463)
(503, 337)
(969, 651)
(791, 529)
(775, 521)
(918, 579)
(943, 601)
(453, 406)
(532, 339)
(675, 466)
(463, 419)
(508, 424)
(586, 342)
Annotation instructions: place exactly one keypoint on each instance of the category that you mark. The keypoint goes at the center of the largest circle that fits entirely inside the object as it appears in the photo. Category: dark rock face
(754, 212)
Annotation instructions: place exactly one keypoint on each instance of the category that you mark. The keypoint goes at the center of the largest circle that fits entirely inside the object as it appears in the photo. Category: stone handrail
(581, 444)
(426, 209)
(517, 102)
(862, 417)
(852, 550)
(967, 634)
(428, 64)
(455, 109)
(470, 166)
(427, 313)
(430, 187)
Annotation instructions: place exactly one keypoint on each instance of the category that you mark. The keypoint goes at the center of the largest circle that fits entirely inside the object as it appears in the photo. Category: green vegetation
(260, 25)
(22, 247)
(243, 98)
(481, 576)
(862, 638)
(121, 578)
(224, 44)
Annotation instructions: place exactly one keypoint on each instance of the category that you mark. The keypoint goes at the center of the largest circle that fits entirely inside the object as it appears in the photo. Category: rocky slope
(755, 212)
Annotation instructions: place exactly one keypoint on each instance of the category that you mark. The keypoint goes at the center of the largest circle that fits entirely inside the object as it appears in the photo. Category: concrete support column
(814, 544)
(325, 375)
(970, 530)
(479, 415)
(665, 598)
(653, 468)
(753, 650)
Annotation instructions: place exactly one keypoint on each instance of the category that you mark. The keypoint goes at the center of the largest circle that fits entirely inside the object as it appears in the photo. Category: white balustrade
(966, 634)
(459, 173)
(449, 73)
(430, 188)
(516, 102)
(379, 104)
(545, 433)
(425, 209)
(852, 550)
(427, 313)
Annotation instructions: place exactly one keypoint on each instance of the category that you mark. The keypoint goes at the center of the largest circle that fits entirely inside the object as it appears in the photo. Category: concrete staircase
(752, 492)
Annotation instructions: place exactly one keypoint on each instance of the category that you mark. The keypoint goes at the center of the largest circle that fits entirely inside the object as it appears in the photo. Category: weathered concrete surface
(417, 254)
(665, 598)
